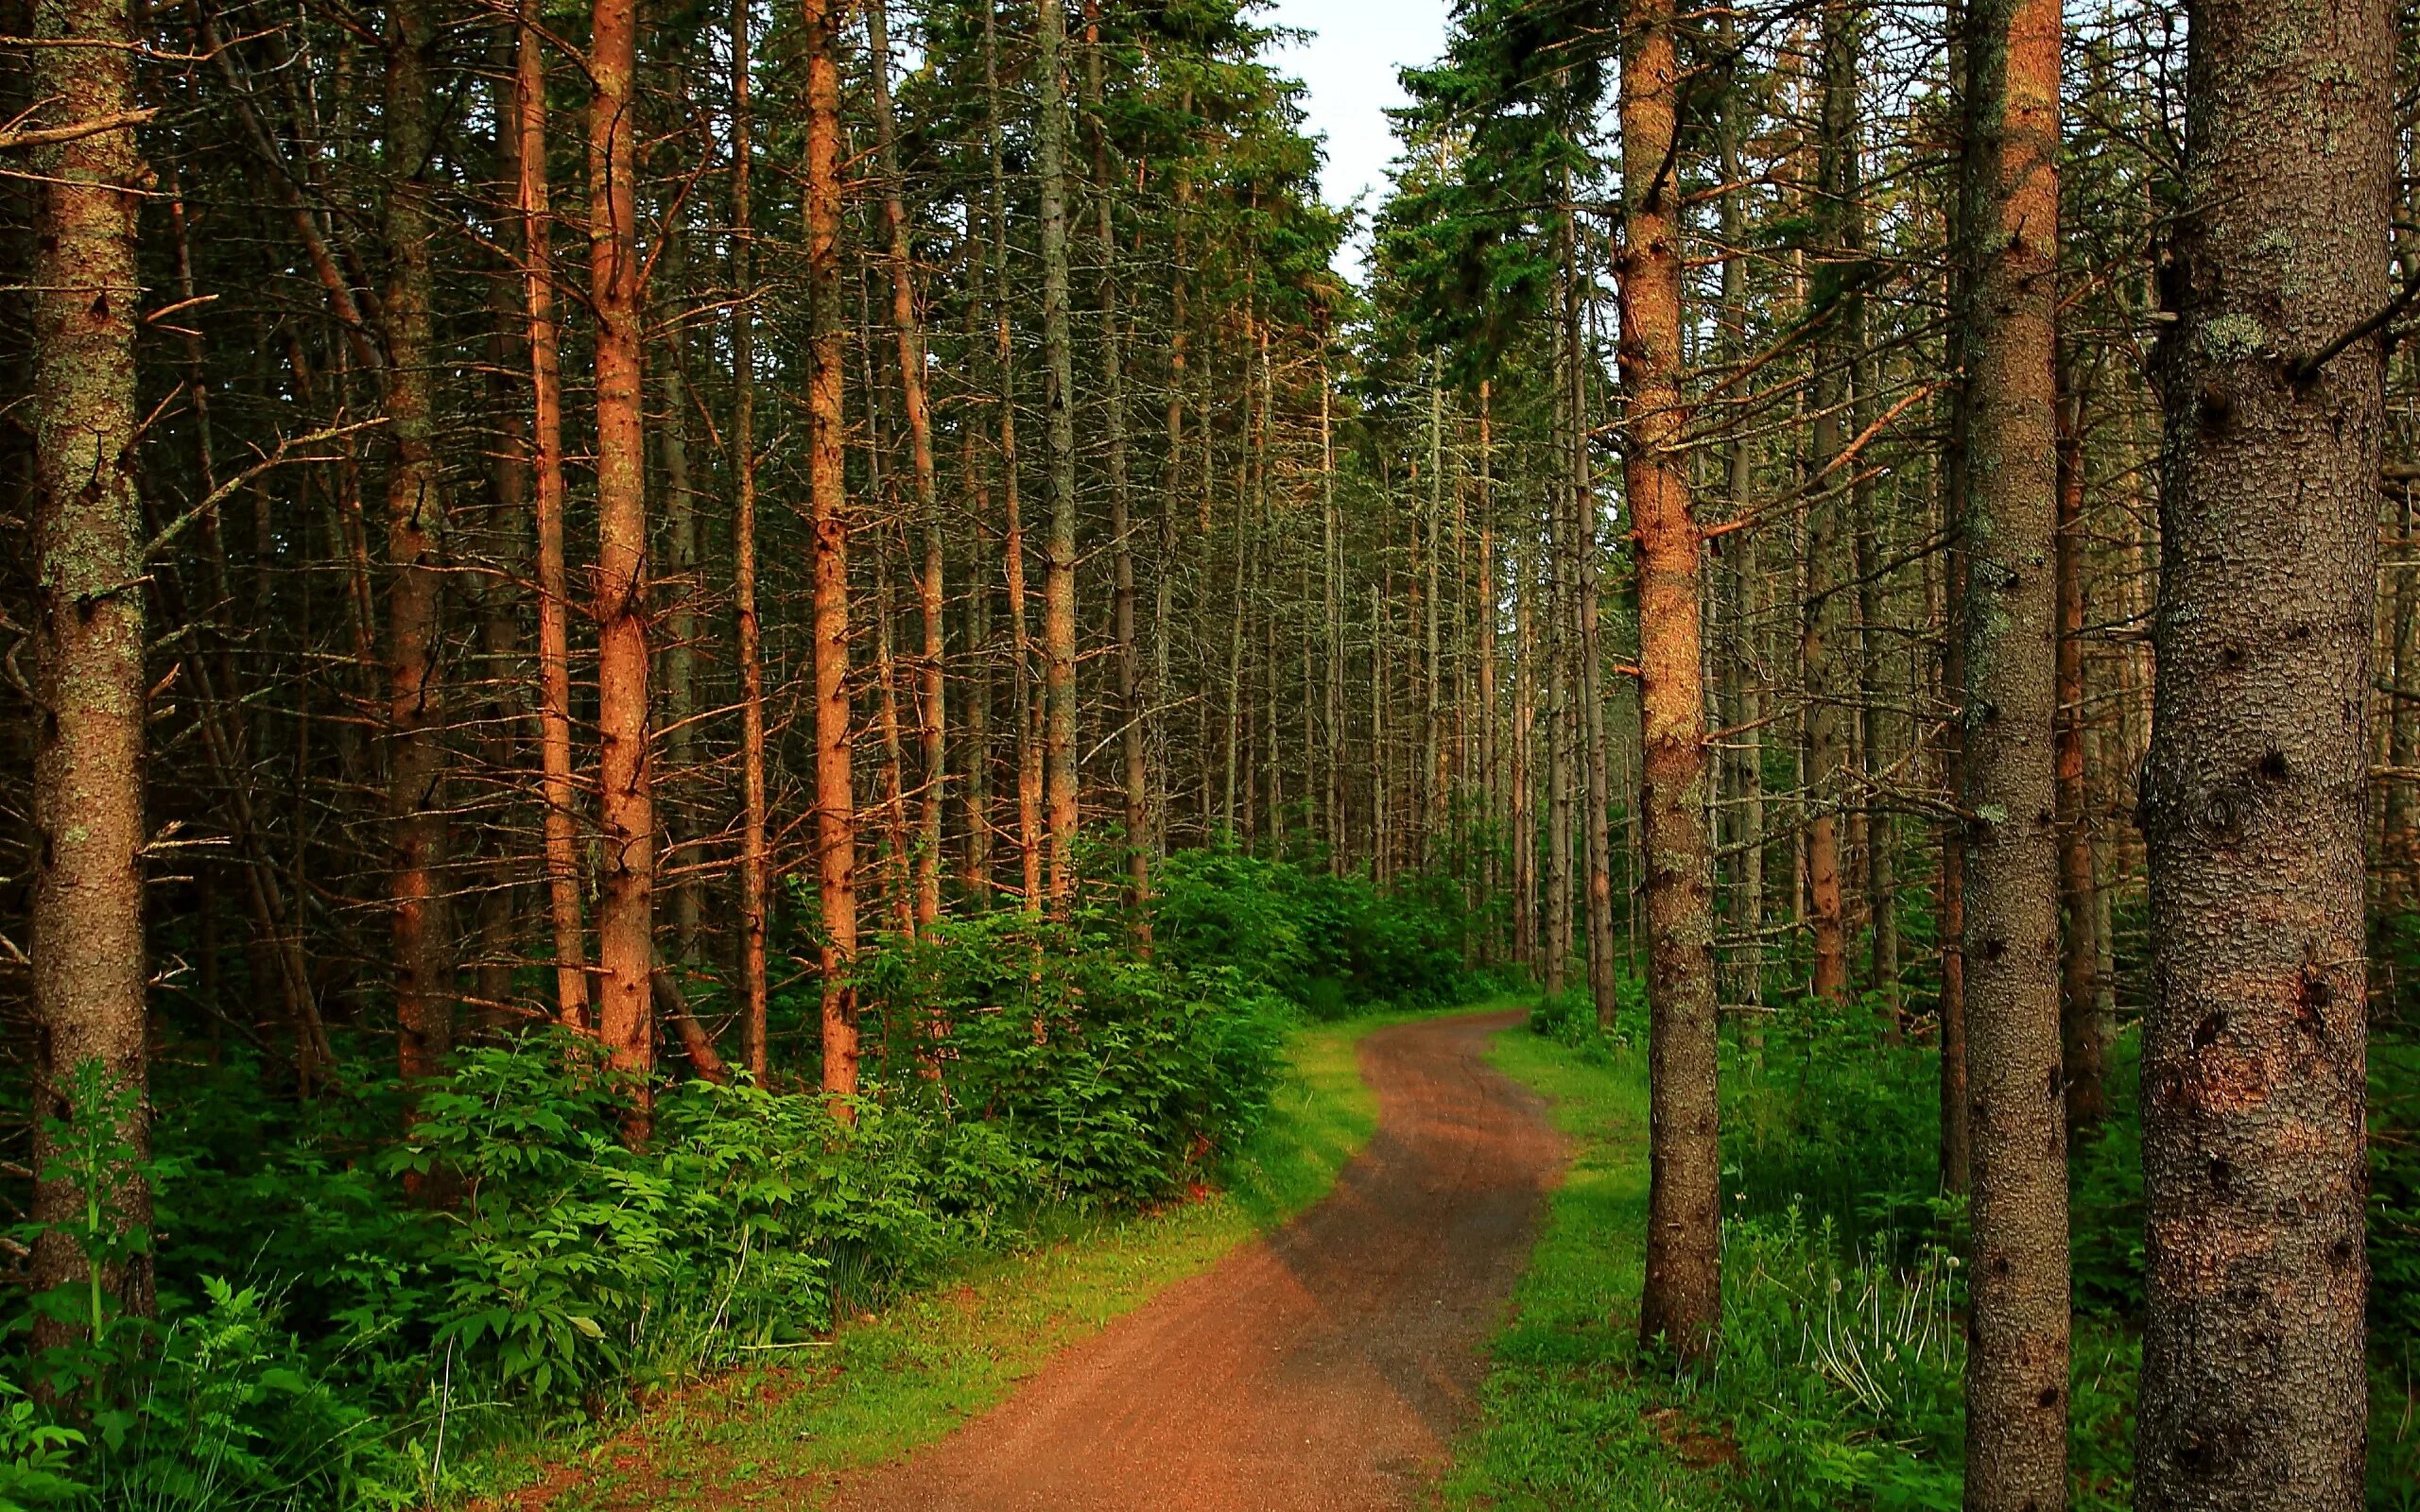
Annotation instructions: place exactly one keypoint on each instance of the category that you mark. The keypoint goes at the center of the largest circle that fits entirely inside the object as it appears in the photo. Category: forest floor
(1194, 1358)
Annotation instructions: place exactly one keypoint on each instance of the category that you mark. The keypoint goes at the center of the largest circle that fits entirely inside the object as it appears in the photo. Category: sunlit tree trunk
(556, 789)
(1683, 1302)
(625, 780)
(835, 840)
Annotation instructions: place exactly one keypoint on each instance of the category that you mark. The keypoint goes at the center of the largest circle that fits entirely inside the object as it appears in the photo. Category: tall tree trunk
(1164, 597)
(680, 563)
(1874, 719)
(1747, 707)
(1558, 740)
(1490, 783)
(1826, 636)
(1958, 356)
(836, 835)
(932, 727)
(1331, 581)
(1029, 749)
(754, 878)
(415, 549)
(1588, 725)
(2083, 1040)
(1432, 787)
(556, 788)
(1683, 1300)
(1059, 418)
(2017, 1365)
(1524, 797)
(86, 918)
(625, 781)
(2253, 1051)
(1133, 763)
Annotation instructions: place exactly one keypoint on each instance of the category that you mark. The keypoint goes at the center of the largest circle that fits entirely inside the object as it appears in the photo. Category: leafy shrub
(226, 1414)
(1323, 942)
(35, 1454)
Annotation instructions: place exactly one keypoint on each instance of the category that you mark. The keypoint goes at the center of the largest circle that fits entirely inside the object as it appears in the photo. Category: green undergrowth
(778, 1434)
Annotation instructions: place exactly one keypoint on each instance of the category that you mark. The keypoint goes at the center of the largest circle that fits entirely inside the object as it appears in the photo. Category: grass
(1571, 1416)
(781, 1435)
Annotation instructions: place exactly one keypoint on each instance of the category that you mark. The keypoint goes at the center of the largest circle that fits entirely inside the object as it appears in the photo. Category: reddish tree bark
(625, 778)
(835, 840)
(1683, 1300)
(556, 786)
(86, 937)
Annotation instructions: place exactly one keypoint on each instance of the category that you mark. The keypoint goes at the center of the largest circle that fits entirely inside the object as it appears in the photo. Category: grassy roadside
(1569, 1421)
(779, 1435)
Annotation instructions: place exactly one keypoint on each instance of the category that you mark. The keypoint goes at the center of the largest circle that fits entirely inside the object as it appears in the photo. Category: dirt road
(1323, 1369)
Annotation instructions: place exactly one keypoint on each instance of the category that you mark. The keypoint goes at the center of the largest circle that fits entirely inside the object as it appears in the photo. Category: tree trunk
(415, 556)
(1957, 356)
(1133, 763)
(932, 727)
(86, 936)
(1589, 723)
(681, 562)
(1683, 1302)
(754, 878)
(1013, 540)
(2254, 1385)
(835, 796)
(1059, 416)
(1490, 781)
(625, 781)
(2016, 1367)
(1332, 602)
(556, 789)
(1432, 787)
(2083, 1039)
(1826, 636)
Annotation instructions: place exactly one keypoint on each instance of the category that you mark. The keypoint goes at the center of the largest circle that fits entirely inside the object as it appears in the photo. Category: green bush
(1328, 944)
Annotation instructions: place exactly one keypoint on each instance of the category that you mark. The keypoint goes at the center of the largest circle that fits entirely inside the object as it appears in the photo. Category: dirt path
(1326, 1367)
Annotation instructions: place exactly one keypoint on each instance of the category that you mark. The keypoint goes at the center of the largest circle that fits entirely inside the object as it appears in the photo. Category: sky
(1349, 64)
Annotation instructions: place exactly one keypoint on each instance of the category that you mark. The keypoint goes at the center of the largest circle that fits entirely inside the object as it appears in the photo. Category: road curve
(1325, 1368)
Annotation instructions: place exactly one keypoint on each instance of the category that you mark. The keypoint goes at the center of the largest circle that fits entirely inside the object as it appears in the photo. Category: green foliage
(35, 1454)
(1330, 944)
(226, 1414)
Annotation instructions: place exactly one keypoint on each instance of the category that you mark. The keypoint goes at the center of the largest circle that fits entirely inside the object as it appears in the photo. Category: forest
(742, 739)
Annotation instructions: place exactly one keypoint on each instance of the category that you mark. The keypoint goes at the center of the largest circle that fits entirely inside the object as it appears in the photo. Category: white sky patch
(1349, 66)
